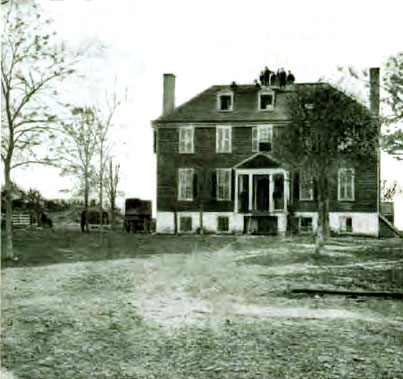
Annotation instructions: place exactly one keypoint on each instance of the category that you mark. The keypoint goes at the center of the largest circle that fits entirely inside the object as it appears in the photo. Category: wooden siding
(205, 160)
(365, 188)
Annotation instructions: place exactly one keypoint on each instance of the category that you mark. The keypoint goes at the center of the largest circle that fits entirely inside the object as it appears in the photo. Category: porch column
(250, 191)
(271, 191)
(236, 193)
(286, 190)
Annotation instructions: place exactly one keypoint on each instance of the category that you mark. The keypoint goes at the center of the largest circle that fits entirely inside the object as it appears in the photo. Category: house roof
(204, 106)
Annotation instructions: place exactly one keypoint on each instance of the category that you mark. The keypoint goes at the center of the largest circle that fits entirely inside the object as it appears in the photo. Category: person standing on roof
(267, 73)
(261, 78)
(283, 77)
(290, 78)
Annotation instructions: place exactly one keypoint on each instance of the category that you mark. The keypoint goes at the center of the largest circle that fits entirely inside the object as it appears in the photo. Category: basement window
(225, 102)
(186, 224)
(223, 224)
(346, 224)
(305, 224)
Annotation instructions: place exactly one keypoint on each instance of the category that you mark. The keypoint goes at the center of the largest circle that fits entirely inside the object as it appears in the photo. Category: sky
(133, 42)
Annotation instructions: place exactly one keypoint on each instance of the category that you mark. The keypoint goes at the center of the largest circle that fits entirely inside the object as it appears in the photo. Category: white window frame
(219, 101)
(259, 102)
(343, 224)
(223, 139)
(341, 176)
(186, 140)
(257, 136)
(185, 184)
(223, 186)
(307, 178)
(300, 224)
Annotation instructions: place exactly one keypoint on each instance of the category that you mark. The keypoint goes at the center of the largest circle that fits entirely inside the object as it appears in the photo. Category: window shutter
(296, 185)
(226, 140)
(195, 185)
(214, 184)
(315, 190)
(218, 139)
(181, 141)
(255, 139)
(181, 185)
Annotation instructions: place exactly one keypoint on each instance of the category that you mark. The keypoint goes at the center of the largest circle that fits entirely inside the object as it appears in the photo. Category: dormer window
(266, 101)
(225, 102)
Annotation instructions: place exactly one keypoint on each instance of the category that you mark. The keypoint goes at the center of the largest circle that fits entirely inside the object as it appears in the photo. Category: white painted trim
(182, 129)
(218, 148)
(250, 200)
(340, 171)
(265, 92)
(229, 183)
(180, 184)
(260, 171)
(236, 194)
(363, 223)
(258, 129)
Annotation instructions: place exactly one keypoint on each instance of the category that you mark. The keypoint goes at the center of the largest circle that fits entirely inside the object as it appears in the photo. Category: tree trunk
(38, 217)
(101, 186)
(86, 194)
(9, 253)
(322, 232)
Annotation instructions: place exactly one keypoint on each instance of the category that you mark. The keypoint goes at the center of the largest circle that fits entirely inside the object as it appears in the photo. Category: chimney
(169, 94)
(374, 90)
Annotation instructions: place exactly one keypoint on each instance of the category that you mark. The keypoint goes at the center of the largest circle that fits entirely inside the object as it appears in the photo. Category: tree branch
(43, 162)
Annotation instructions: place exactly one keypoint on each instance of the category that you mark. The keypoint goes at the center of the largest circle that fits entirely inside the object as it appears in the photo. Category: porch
(262, 194)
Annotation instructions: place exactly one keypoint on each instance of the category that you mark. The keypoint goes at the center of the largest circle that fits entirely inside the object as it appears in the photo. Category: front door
(261, 185)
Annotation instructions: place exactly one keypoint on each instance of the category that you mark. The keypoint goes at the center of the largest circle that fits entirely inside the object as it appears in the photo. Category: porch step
(387, 229)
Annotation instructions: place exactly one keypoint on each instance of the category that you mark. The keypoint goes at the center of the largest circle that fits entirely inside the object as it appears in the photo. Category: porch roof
(258, 160)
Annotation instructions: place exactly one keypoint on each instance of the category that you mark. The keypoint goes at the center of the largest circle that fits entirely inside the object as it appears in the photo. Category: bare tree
(112, 181)
(103, 126)
(390, 189)
(30, 64)
(79, 150)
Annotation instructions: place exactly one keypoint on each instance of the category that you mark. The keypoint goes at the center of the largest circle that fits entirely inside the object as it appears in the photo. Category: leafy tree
(393, 84)
(329, 130)
(392, 141)
(30, 64)
(356, 82)
(79, 151)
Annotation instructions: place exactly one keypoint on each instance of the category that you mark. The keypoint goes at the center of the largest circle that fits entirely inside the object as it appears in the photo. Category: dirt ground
(200, 307)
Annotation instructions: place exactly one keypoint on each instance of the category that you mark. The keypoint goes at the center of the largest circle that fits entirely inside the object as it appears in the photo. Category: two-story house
(217, 169)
